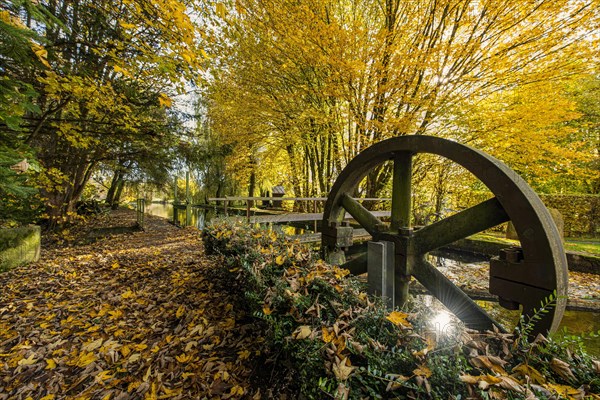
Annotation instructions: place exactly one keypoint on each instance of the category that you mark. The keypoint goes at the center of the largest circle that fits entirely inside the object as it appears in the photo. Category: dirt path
(133, 316)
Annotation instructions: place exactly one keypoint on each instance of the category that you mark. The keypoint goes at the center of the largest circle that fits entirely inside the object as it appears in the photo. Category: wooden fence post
(188, 205)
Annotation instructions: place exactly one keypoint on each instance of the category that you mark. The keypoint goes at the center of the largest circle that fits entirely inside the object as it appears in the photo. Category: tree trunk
(118, 192)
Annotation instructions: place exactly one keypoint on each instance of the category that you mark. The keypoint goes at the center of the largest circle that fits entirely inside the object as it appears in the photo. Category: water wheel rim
(540, 239)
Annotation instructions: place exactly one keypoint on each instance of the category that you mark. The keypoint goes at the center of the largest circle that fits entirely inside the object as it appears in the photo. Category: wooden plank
(290, 198)
(357, 234)
(300, 217)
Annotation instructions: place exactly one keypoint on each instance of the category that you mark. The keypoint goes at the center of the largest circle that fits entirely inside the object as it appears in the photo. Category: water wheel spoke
(360, 214)
(401, 191)
(478, 218)
(452, 297)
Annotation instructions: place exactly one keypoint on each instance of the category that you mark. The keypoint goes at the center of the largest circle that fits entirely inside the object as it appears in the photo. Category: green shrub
(336, 341)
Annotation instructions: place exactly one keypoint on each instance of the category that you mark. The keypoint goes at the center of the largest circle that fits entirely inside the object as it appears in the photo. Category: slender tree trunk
(117, 198)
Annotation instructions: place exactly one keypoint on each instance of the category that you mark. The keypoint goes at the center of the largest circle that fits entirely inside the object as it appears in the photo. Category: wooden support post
(315, 211)
(175, 192)
(226, 202)
(401, 192)
(188, 205)
(400, 221)
(380, 270)
(248, 203)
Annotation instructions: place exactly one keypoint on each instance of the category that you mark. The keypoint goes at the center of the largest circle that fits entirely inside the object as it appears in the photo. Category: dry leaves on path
(135, 316)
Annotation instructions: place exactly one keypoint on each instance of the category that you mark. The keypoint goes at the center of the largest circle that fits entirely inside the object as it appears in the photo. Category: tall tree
(109, 71)
(324, 80)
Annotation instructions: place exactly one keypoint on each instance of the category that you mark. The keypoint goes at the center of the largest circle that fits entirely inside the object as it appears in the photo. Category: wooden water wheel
(519, 276)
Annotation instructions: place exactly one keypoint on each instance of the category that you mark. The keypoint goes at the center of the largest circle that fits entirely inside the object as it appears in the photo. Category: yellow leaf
(527, 370)
(127, 25)
(327, 336)
(279, 260)
(127, 295)
(28, 361)
(399, 319)
(221, 10)
(125, 350)
(48, 397)
(180, 311)
(302, 332)
(423, 371)
(164, 100)
(134, 357)
(126, 73)
(103, 376)
(51, 364)
(267, 310)
(244, 354)
(115, 265)
(41, 53)
(140, 346)
(85, 359)
(184, 358)
(236, 391)
(563, 390)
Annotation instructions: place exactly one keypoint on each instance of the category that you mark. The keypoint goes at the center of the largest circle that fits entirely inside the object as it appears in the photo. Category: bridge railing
(140, 211)
(311, 204)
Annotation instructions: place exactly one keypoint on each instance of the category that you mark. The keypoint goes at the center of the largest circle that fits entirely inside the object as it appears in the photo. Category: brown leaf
(302, 332)
(341, 370)
(562, 369)
(509, 383)
(492, 363)
(596, 366)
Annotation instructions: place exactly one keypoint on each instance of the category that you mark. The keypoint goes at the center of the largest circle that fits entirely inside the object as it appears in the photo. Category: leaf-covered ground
(142, 315)
(133, 316)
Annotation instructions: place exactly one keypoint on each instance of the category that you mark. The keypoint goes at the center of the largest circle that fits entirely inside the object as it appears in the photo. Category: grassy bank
(590, 246)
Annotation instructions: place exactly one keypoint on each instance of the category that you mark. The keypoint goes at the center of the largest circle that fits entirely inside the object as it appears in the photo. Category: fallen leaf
(562, 369)
(423, 371)
(564, 391)
(28, 361)
(302, 332)
(341, 370)
(532, 373)
(50, 364)
(91, 346)
(327, 336)
(399, 319)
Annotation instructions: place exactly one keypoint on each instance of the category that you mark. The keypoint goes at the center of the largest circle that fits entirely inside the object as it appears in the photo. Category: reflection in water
(573, 323)
(446, 326)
